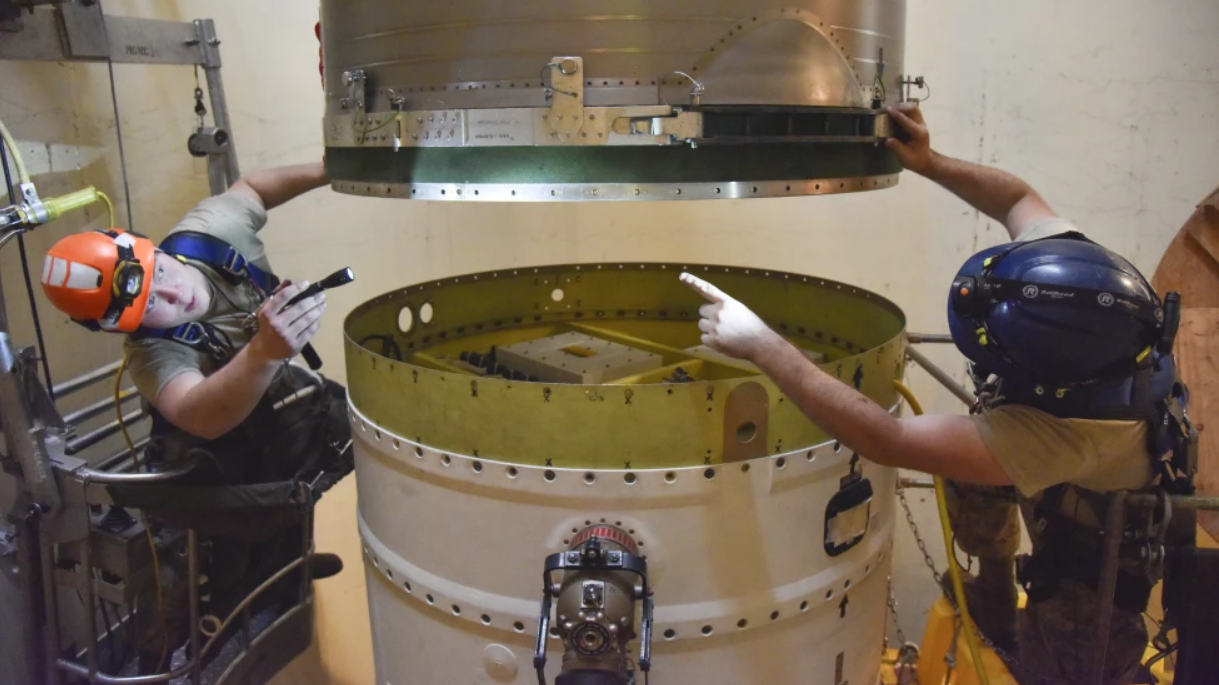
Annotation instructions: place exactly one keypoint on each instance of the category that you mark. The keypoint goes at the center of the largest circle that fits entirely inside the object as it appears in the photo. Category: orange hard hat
(100, 278)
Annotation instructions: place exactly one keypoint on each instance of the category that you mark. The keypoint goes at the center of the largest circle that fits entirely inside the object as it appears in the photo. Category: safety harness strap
(219, 255)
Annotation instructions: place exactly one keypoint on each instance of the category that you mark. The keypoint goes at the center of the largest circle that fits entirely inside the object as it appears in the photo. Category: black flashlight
(341, 277)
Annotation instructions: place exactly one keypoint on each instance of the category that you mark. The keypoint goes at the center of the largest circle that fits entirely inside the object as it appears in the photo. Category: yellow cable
(958, 588)
(152, 545)
(109, 208)
(22, 175)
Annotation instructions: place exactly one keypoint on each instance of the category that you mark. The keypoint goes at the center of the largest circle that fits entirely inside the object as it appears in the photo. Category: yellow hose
(22, 175)
(958, 588)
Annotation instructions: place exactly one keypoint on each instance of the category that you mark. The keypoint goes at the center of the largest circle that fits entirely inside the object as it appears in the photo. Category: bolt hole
(549, 476)
(781, 462)
(431, 599)
(829, 594)
(590, 478)
(389, 574)
(629, 479)
(419, 452)
(707, 630)
(846, 585)
(512, 472)
(446, 460)
(745, 467)
(486, 619)
(396, 444)
(456, 610)
(670, 634)
(810, 455)
(406, 320)
(746, 432)
(477, 466)
(742, 623)
(709, 474)
(518, 627)
(670, 477)
(774, 615)
(804, 605)
(837, 447)
(406, 586)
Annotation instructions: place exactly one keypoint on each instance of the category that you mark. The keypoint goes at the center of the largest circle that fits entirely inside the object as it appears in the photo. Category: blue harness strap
(219, 255)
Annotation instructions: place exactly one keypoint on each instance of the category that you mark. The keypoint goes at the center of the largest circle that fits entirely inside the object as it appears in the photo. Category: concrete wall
(1108, 107)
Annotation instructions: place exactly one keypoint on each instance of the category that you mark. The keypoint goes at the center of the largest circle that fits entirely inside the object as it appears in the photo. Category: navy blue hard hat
(1057, 311)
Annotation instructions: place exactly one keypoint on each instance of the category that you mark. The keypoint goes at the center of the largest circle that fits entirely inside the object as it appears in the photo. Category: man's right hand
(282, 334)
(915, 153)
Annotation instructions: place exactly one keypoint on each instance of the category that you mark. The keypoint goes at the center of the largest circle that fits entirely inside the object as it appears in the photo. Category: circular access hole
(557, 294)
(431, 599)
(707, 630)
(629, 479)
(847, 585)
(746, 432)
(446, 460)
(590, 478)
(709, 474)
(419, 452)
(774, 615)
(745, 467)
(406, 586)
(837, 447)
(829, 594)
(397, 445)
(518, 627)
(406, 320)
(781, 462)
(456, 610)
(389, 574)
(549, 476)
(512, 473)
(477, 466)
(670, 634)
(670, 477)
(810, 455)
(486, 619)
(804, 606)
(742, 623)
(426, 313)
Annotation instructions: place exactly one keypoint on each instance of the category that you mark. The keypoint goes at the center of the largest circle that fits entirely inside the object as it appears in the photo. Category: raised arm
(949, 446)
(273, 187)
(995, 193)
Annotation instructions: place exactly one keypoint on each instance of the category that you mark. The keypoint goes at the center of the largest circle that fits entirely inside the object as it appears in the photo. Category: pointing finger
(712, 293)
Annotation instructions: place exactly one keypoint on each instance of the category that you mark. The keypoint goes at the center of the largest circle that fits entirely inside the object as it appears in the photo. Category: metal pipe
(77, 669)
(940, 375)
(88, 475)
(98, 408)
(919, 483)
(29, 556)
(83, 381)
(250, 598)
(1115, 521)
(210, 45)
(917, 338)
(98, 434)
(50, 600)
(1184, 502)
(86, 567)
(111, 461)
(192, 579)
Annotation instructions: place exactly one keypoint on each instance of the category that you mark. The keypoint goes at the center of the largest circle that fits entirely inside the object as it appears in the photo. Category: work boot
(324, 565)
(992, 599)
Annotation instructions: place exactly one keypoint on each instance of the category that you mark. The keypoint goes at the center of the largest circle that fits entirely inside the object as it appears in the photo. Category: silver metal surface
(548, 74)
(411, 45)
(919, 338)
(210, 45)
(75, 33)
(584, 192)
(109, 478)
(101, 433)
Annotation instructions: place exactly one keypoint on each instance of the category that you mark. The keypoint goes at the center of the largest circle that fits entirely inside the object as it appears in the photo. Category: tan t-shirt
(236, 219)
(1037, 450)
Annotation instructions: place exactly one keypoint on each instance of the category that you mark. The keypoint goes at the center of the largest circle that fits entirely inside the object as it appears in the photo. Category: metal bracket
(357, 92)
(565, 89)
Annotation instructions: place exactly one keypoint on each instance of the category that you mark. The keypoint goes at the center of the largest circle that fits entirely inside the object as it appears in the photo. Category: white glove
(728, 325)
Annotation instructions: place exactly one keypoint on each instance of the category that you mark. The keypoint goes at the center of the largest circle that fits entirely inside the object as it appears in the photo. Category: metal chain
(897, 624)
(1008, 659)
(950, 657)
(918, 538)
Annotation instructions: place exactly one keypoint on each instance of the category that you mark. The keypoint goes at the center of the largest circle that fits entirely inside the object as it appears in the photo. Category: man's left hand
(729, 326)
